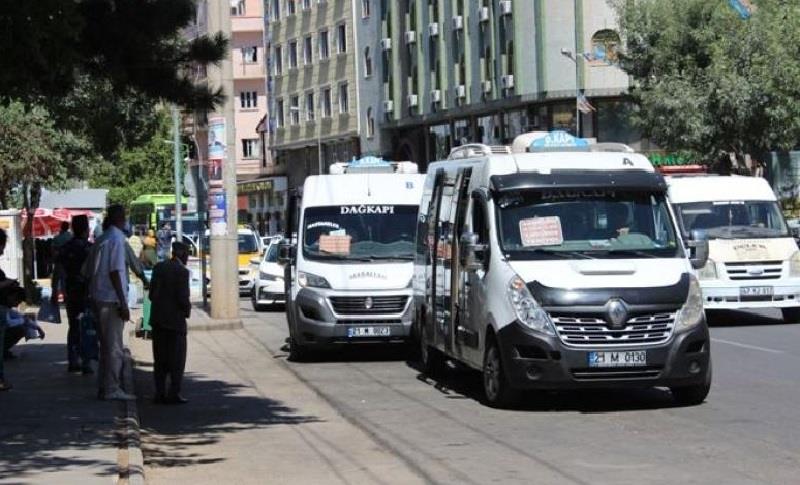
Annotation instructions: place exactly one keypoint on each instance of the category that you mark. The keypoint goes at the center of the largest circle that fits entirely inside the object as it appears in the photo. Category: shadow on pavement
(51, 424)
(378, 352)
(743, 318)
(462, 383)
(176, 435)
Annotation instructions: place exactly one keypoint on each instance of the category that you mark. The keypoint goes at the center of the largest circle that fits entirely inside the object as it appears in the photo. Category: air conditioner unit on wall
(386, 44)
(433, 29)
(410, 37)
(483, 14)
(436, 96)
(413, 100)
(461, 91)
(458, 22)
(505, 7)
(507, 81)
(486, 87)
(388, 106)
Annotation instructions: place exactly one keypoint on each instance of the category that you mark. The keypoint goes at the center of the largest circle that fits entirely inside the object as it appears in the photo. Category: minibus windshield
(585, 224)
(360, 232)
(733, 219)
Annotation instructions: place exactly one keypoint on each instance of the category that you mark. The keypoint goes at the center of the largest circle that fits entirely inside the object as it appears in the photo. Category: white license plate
(755, 291)
(369, 332)
(629, 358)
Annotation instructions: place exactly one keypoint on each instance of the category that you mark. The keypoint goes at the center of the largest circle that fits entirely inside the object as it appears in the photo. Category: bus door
(443, 254)
(457, 295)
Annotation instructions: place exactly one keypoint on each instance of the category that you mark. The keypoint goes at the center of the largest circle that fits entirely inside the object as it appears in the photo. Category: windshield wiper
(563, 254)
(390, 258)
(630, 252)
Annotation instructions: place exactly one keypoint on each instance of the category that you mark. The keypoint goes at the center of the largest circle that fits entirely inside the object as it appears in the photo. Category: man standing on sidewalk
(169, 294)
(109, 290)
(71, 258)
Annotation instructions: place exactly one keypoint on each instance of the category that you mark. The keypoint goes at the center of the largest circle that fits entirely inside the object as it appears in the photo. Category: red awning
(47, 222)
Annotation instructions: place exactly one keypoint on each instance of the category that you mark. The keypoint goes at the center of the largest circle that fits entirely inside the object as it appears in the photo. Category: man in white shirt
(109, 290)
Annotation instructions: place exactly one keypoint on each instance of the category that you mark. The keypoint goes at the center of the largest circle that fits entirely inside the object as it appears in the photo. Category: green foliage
(134, 45)
(146, 168)
(710, 83)
(34, 153)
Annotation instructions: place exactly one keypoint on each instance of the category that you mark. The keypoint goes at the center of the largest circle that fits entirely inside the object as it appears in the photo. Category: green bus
(151, 210)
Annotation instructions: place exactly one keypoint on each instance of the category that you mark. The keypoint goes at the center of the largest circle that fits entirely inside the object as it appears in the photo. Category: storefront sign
(255, 187)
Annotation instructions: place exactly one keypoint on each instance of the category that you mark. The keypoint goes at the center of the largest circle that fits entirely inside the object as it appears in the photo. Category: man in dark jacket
(71, 257)
(169, 294)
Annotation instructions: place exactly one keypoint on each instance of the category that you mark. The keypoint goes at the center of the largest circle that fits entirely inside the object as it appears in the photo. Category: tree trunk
(30, 202)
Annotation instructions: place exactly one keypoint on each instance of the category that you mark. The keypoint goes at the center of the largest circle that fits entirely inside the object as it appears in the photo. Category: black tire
(791, 315)
(693, 395)
(297, 352)
(256, 306)
(496, 388)
(432, 361)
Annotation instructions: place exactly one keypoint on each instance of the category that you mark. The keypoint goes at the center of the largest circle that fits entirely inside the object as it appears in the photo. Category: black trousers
(75, 306)
(169, 359)
(12, 336)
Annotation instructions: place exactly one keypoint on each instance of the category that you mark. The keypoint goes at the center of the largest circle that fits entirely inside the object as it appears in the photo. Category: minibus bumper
(317, 324)
(536, 361)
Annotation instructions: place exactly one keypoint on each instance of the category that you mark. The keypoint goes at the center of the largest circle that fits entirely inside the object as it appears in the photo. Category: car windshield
(271, 256)
(733, 219)
(360, 232)
(248, 243)
(585, 224)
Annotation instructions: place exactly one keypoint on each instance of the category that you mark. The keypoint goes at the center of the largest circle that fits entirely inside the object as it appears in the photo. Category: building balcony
(247, 24)
(248, 70)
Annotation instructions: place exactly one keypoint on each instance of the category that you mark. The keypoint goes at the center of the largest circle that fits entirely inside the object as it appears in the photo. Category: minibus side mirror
(699, 253)
(795, 231)
(472, 252)
(286, 253)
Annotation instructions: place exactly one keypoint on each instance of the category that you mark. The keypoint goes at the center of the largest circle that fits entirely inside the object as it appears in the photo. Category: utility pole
(177, 160)
(224, 239)
(577, 74)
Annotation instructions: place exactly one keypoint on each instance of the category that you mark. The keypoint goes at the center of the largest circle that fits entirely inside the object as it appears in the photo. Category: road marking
(746, 346)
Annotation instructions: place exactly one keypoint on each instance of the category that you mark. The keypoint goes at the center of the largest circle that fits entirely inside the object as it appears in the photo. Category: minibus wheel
(693, 395)
(499, 394)
(431, 359)
(791, 314)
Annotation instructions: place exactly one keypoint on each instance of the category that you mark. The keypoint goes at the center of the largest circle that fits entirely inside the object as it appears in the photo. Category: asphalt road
(748, 430)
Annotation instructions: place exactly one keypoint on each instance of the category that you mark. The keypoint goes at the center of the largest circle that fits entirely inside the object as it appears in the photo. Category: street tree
(710, 83)
(146, 168)
(48, 45)
(34, 153)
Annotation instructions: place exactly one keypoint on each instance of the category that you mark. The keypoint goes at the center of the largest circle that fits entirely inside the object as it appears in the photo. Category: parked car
(268, 285)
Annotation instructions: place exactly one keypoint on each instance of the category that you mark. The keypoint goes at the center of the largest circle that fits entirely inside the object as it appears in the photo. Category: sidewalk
(250, 420)
(52, 427)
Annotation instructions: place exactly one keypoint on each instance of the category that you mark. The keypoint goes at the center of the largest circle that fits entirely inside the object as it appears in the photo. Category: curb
(214, 325)
(130, 460)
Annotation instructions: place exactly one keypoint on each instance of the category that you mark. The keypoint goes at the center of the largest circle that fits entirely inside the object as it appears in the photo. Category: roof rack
(473, 150)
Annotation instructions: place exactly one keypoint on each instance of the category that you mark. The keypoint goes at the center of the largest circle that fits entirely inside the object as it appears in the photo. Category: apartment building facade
(484, 71)
(323, 93)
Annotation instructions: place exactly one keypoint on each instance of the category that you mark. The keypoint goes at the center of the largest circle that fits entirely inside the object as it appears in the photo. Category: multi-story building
(324, 85)
(458, 71)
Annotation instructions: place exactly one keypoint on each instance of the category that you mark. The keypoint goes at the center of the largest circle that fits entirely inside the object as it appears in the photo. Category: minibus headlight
(709, 271)
(794, 265)
(691, 314)
(527, 309)
(309, 280)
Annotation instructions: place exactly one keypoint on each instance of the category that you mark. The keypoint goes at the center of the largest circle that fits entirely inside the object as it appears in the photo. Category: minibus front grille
(369, 305)
(763, 270)
(642, 331)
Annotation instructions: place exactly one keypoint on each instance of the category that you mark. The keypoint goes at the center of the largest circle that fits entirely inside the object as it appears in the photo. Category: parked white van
(753, 260)
(351, 266)
(557, 265)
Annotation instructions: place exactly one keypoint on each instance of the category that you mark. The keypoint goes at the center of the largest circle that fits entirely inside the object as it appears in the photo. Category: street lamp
(296, 109)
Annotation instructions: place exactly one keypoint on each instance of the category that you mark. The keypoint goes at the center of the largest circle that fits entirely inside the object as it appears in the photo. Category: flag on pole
(584, 106)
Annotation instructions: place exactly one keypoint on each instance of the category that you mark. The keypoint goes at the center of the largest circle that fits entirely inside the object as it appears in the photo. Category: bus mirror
(471, 252)
(699, 250)
(698, 235)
